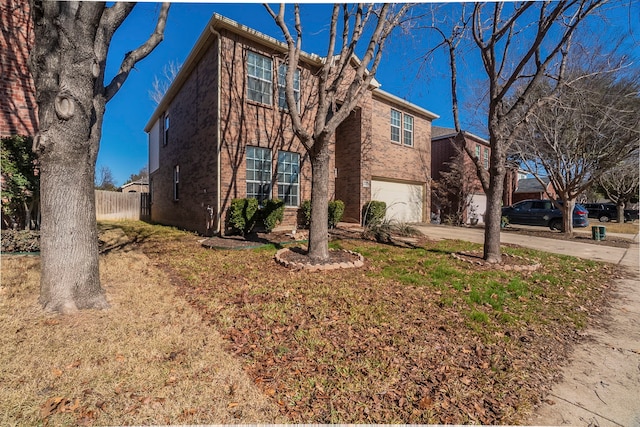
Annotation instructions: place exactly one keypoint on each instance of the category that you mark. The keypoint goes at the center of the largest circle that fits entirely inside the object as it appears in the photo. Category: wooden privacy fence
(113, 205)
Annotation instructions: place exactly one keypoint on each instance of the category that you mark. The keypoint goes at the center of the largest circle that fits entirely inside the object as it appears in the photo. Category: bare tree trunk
(318, 237)
(493, 215)
(567, 216)
(70, 275)
(68, 62)
(27, 215)
(621, 212)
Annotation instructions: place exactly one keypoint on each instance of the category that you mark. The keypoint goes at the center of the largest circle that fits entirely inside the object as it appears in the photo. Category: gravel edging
(279, 257)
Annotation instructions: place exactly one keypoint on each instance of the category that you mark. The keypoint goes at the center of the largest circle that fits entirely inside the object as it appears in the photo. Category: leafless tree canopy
(161, 84)
(520, 44)
(621, 184)
(588, 126)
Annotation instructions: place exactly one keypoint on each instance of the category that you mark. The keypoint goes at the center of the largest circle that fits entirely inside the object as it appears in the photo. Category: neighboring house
(222, 132)
(139, 186)
(18, 111)
(530, 188)
(446, 144)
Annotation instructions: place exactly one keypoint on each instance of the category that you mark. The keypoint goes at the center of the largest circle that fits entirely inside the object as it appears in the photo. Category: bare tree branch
(138, 54)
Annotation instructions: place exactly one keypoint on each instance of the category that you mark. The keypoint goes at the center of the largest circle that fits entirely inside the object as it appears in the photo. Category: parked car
(605, 212)
(544, 213)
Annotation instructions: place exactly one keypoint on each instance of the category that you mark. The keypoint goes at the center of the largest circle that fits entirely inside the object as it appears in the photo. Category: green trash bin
(598, 232)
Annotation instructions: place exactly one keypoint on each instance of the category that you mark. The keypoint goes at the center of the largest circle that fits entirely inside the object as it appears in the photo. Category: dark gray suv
(543, 212)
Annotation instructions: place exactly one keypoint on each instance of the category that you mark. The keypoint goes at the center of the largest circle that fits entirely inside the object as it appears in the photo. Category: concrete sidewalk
(601, 383)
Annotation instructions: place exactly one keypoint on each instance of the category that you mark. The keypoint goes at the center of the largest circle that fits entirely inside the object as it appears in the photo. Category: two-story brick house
(446, 145)
(222, 131)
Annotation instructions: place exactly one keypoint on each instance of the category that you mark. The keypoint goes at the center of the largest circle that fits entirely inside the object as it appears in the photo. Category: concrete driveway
(629, 257)
(601, 383)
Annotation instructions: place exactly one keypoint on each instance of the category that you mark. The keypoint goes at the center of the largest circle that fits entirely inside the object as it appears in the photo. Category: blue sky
(124, 143)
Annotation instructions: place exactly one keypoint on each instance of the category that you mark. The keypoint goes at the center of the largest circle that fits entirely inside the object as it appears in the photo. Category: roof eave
(393, 98)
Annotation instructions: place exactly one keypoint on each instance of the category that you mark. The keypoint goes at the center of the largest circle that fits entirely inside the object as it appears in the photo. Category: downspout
(218, 133)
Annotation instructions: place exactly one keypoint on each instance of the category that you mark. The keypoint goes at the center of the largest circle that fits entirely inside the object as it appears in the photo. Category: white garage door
(404, 201)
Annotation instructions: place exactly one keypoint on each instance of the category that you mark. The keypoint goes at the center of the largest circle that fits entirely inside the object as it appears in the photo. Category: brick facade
(18, 112)
(359, 151)
(445, 146)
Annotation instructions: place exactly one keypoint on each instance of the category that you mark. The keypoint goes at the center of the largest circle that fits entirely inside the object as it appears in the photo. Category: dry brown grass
(148, 360)
(615, 227)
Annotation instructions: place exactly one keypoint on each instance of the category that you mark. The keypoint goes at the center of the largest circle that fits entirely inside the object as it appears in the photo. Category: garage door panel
(404, 201)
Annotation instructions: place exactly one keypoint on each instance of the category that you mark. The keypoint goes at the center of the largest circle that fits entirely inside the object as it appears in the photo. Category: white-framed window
(176, 182)
(259, 78)
(478, 151)
(259, 173)
(486, 158)
(165, 129)
(396, 118)
(282, 74)
(408, 130)
(289, 178)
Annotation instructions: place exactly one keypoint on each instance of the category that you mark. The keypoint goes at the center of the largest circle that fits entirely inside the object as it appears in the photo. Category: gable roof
(438, 132)
(531, 185)
(209, 34)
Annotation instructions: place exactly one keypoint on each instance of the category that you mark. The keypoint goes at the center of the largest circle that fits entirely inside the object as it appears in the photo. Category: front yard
(414, 336)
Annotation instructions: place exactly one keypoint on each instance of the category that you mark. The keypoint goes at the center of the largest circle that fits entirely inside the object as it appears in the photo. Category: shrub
(241, 216)
(305, 207)
(373, 212)
(272, 213)
(336, 210)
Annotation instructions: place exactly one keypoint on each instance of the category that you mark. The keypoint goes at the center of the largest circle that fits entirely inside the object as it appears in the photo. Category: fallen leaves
(354, 347)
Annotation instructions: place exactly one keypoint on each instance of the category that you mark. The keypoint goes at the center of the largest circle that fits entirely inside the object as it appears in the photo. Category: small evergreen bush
(306, 212)
(336, 210)
(241, 216)
(373, 212)
(272, 213)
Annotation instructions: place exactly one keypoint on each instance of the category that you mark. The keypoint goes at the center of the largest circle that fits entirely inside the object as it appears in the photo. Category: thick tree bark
(70, 275)
(67, 63)
(493, 216)
(620, 212)
(318, 235)
(567, 216)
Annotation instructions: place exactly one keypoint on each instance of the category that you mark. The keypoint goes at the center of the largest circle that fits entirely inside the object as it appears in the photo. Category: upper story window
(282, 74)
(289, 177)
(259, 173)
(165, 129)
(408, 130)
(486, 158)
(478, 151)
(259, 78)
(396, 117)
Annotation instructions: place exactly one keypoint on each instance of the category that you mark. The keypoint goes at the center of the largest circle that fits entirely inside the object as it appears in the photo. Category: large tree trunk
(318, 237)
(567, 216)
(492, 219)
(71, 108)
(620, 212)
(494, 193)
(68, 62)
(70, 275)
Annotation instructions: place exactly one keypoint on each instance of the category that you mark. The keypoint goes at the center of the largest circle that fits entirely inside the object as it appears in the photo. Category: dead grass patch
(148, 360)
